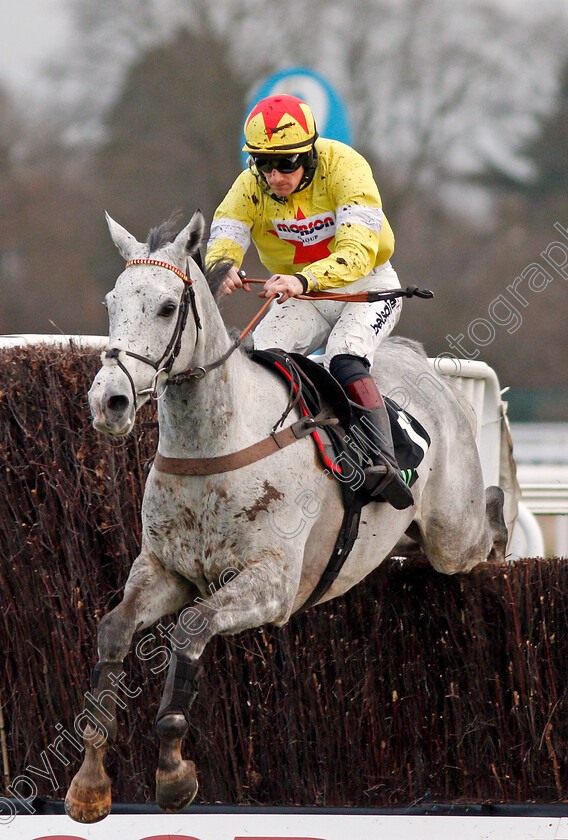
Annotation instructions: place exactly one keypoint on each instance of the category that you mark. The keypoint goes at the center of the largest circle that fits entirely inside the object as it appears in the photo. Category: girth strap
(343, 545)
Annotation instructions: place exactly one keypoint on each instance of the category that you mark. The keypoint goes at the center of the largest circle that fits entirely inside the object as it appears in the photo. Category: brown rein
(356, 297)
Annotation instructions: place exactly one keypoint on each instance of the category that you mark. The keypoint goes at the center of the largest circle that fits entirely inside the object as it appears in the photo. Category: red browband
(173, 268)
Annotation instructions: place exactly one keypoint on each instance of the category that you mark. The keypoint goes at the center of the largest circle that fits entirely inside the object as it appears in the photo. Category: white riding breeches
(303, 326)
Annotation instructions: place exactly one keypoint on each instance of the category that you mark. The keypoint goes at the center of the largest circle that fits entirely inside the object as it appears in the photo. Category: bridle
(164, 364)
(166, 361)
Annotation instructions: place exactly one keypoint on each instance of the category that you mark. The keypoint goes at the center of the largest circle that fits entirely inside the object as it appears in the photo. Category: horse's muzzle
(112, 408)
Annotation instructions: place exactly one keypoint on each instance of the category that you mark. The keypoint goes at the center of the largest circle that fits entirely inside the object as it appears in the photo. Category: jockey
(313, 211)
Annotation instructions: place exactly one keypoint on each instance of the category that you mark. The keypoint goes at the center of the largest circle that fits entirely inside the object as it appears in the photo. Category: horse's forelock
(165, 233)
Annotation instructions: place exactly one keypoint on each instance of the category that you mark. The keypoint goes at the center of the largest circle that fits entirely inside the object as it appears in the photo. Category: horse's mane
(215, 273)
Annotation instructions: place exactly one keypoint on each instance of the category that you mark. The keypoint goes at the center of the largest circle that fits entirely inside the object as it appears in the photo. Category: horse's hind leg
(149, 594)
(495, 520)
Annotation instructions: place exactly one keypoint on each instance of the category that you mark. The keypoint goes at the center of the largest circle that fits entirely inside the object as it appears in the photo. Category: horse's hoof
(88, 804)
(174, 791)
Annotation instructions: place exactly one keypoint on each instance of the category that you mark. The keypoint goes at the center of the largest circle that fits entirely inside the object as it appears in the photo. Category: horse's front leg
(262, 592)
(149, 594)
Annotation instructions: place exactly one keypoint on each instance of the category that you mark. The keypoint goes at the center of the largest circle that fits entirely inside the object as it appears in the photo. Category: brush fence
(412, 686)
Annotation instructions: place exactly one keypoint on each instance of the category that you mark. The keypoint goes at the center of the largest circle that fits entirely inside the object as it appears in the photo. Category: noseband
(165, 363)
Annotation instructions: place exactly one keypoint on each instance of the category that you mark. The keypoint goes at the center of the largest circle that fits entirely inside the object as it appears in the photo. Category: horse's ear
(123, 240)
(196, 233)
(188, 240)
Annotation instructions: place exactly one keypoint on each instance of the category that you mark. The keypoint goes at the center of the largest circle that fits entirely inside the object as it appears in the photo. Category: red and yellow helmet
(280, 124)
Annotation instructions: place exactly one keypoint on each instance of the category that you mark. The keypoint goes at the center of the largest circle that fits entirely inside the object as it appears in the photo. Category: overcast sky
(31, 31)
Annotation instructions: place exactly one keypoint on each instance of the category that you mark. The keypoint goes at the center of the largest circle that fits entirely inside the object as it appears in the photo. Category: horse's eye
(167, 310)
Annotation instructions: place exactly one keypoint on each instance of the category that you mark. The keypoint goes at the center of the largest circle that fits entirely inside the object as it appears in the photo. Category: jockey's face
(282, 183)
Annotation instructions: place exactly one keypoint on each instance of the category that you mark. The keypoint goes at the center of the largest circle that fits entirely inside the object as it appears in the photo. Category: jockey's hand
(235, 279)
(286, 285)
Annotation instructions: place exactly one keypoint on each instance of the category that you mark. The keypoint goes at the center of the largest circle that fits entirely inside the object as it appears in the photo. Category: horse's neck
(208, 416)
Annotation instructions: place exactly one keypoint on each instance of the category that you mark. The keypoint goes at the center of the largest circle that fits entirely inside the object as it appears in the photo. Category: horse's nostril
(117, 404)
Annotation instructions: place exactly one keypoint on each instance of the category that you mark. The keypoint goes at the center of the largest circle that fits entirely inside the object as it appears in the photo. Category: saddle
(341, 443)
(343, 446)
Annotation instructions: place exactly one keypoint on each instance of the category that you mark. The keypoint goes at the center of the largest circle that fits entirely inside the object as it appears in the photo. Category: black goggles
(283, 163)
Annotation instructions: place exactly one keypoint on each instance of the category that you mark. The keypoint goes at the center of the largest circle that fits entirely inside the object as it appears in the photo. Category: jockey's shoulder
(339, 159)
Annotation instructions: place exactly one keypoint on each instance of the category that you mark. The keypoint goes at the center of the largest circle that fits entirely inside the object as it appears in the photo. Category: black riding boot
(353, 373)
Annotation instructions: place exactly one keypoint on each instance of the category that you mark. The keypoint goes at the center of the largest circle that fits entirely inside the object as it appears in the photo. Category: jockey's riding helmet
(280, 125)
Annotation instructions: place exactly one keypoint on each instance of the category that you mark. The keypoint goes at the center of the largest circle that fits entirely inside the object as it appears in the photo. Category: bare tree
(435, 89)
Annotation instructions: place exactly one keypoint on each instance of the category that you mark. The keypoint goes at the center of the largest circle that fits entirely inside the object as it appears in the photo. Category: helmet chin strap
(309, 169)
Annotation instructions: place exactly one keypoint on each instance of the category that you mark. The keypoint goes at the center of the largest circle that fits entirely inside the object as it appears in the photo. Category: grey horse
(234, 549)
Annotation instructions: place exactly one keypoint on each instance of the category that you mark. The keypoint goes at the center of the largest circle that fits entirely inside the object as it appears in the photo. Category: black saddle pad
(411, 441)
(410, 438)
